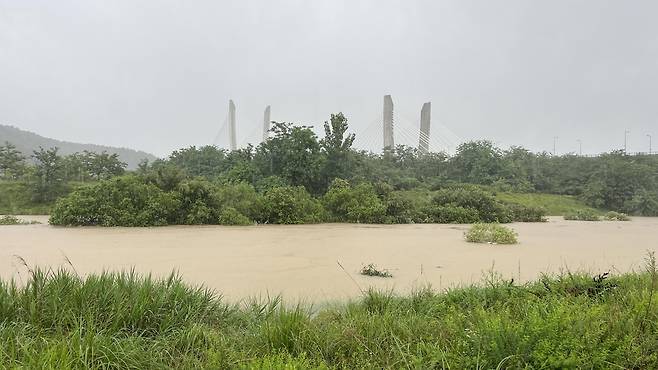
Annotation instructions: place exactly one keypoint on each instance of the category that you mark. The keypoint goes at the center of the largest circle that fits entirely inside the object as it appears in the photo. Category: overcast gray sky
(157, 75)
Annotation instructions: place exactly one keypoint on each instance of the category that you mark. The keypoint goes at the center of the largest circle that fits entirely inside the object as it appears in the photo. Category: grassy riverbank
(16, 198)
(123, 320)
(554, 204)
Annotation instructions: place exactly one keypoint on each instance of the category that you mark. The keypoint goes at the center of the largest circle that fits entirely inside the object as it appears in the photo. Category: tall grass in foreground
(124, 320)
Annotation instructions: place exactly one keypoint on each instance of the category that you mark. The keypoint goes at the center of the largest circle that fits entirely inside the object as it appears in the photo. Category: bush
(404, 207)
(490, 233)
(521, 213)
(133, 201)
(270, 182)
(289, 205)
(230, 216)
(353, 204)
(372, 270)
(199, 204)
(9, 220)
(643, 203)
(13, 220)
(453, 215)
(616, 216)
(582, 215)
(475, 200)
(122, 201)
(241, 196)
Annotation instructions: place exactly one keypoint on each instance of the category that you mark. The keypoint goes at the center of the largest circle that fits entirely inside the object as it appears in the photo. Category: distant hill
(26, 142)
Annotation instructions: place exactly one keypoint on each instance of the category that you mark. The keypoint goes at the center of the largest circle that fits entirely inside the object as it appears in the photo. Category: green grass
(16, 199)
(490, 233)
(128, 321)
(555, 205)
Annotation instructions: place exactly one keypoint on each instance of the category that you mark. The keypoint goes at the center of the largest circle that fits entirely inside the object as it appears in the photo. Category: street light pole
(580, 147)
(554, 144)
(626, 132)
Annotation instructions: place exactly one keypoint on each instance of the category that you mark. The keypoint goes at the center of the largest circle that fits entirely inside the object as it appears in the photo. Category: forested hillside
(27, 142)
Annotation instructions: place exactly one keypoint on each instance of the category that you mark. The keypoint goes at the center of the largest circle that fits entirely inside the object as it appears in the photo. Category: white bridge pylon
(391, 127)
(396, 127)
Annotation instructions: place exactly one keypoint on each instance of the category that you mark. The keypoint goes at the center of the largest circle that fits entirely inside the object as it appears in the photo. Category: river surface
(303, 262)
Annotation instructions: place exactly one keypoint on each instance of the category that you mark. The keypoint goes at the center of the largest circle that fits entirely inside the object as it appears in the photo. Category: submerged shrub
(404, 207)
(13, 220)
(230, 216)
(521, 213)
(643, 203)
(289, 205)
(241, 196)
(134, 201)
(474, 201)
(199, 204)
(616, 216)
(453, 215)
(353, 204)
(121, 201)
(372, 270)
(490, 233)
(582, 215)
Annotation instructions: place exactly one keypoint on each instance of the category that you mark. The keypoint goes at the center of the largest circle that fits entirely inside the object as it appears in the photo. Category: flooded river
(302, 261)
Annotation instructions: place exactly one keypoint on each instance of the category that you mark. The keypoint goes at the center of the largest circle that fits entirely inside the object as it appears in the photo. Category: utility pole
(649, 135)
(554, 144)
(580, 147)
(626, 132)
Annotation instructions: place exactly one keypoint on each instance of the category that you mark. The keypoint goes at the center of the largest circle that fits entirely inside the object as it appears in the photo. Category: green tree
(12, 162)
(49, 180)
(207, 161)
(74, 167)
(477, 162)
(337, 147)
(353, 204)
(290, 205)
(164, 175)
(619, 183)
(103, 165)
(293, 153)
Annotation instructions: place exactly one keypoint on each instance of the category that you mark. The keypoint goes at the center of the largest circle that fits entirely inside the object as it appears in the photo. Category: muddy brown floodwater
(300, 262)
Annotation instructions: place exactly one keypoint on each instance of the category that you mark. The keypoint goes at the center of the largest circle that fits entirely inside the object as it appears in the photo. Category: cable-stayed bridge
(388, 127)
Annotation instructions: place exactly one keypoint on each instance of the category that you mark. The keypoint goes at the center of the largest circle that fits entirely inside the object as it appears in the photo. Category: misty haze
(328, 184)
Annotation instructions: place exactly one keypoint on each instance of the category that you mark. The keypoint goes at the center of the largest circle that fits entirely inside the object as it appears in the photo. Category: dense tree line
(295, 156)
(333, 181)
(48, 173)
(151, 200)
